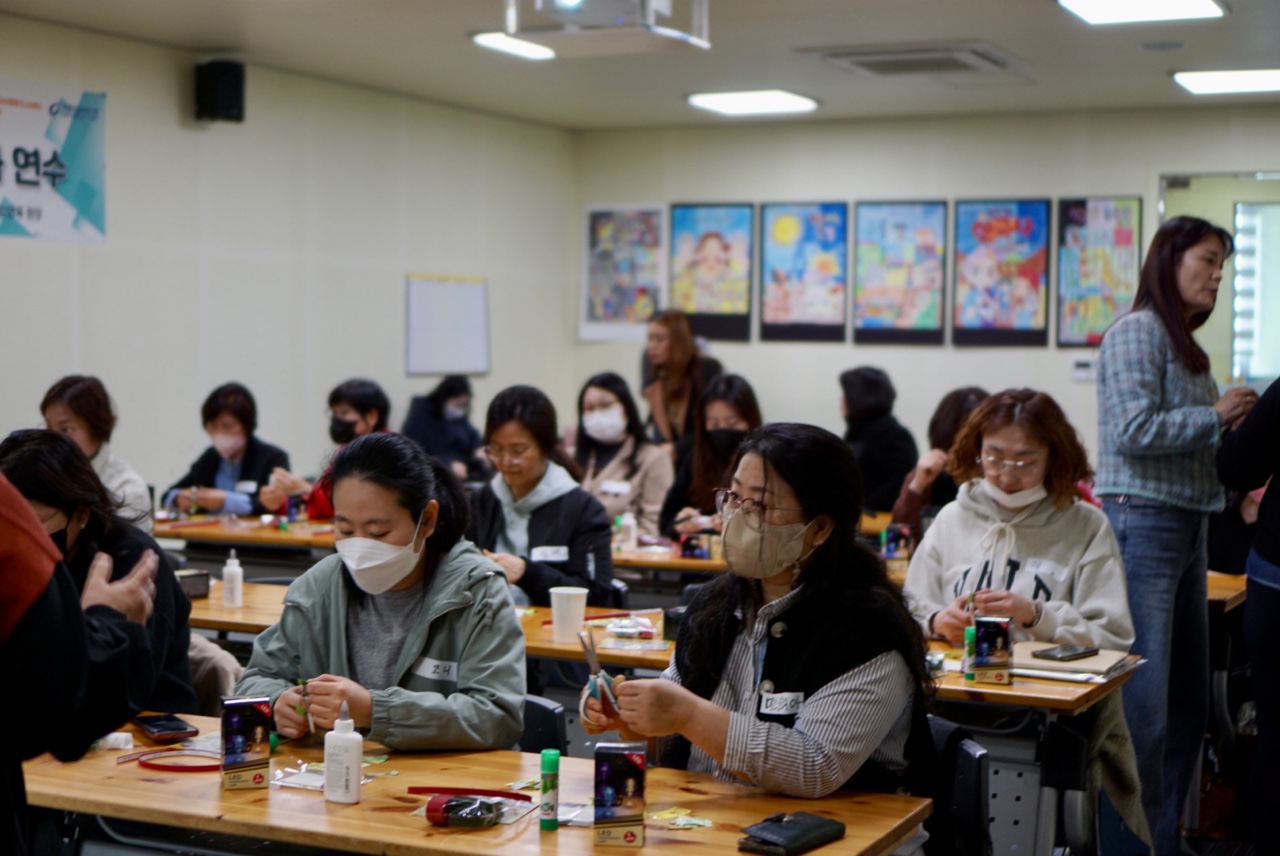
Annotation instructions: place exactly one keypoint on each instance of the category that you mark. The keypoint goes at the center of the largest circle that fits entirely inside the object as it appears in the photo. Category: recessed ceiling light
(755, 103)
(1131, 11)
(515, 47)
(1225, 82)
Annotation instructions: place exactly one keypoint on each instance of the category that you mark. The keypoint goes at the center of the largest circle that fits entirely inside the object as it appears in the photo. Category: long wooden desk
(380, 823)
(1226, 591)
(538, 643)
(248, 531)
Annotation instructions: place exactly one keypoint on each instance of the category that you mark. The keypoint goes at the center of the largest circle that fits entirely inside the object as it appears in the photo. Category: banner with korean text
(52, 162)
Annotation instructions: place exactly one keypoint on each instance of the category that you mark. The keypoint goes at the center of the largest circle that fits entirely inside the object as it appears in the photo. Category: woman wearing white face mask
(226, 477)
(802, 671)
(619, 466)
(1017, 541)
(408, 624)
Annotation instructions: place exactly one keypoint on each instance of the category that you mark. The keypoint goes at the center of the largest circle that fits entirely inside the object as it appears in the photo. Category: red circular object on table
(152, 760)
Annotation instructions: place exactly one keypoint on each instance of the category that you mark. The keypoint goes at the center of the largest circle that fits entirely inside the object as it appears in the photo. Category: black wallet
(789, 834)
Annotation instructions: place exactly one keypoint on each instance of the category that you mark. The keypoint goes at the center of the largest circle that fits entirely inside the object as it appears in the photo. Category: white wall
(275, 252)
(1049, 155)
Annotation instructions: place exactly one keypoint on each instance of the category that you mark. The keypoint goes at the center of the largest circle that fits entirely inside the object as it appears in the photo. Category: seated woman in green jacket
(409, 624)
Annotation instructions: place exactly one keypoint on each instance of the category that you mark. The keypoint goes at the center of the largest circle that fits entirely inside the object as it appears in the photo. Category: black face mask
(59, 540)
(724, 442)
(341, 431)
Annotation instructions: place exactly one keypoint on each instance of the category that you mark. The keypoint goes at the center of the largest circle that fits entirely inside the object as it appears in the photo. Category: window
(1255, 339)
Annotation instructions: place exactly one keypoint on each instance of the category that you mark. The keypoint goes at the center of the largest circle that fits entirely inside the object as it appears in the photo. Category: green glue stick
(549, 807)
(970, 650)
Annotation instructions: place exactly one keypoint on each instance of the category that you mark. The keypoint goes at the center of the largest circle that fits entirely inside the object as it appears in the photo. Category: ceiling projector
(602, 13)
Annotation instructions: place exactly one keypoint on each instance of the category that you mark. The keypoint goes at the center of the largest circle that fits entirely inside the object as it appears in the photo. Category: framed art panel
(1001, 276)
(803, 272)
(899, 272)
(1099, 240)
(711, 262)
(624, 276)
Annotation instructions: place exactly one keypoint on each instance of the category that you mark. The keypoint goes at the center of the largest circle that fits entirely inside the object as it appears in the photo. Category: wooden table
(263, 604)
(1226, 591)
(380, 823)
(249, 532)
(668, 561)
(538, 643)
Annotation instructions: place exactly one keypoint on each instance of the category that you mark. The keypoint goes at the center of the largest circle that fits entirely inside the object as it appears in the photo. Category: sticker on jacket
(781, 704)
(436, 670)
(249, 487)
(615, 488)
(549, 554)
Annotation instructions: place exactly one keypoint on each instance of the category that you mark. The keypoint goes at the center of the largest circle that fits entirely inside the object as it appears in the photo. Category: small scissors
(600, 683)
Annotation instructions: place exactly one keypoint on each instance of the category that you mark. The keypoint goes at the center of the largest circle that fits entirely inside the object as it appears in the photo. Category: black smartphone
(1065, 653)
(165, 727)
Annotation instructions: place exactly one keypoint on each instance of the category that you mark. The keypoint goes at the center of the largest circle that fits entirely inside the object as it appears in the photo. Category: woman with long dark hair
(801, 671)
(620, 467)
(532, 518)
(1160, 420)
(725, 414)
(407, 623)
(82, 518)
(677, 380)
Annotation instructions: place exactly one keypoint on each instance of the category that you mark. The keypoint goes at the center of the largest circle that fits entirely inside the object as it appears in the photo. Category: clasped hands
(319, 701)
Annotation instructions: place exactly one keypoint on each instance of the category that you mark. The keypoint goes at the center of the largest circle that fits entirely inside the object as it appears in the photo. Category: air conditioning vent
(892, 60)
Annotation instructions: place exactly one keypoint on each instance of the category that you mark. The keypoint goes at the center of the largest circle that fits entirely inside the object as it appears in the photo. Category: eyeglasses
(1000, 465)
(511, 456)
(729, 503)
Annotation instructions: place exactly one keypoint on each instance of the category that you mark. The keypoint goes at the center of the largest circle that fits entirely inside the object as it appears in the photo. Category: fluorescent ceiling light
(1131, 11)
(757, 103)
(515, 47)
(1224, 82)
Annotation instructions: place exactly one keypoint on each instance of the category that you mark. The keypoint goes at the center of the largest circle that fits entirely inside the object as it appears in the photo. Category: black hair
(86, 397)
(868, 393)
(823, 473)
(398, 464)
(364, 396)
(951, 413)
(709, 467)
(1158, 284)
(235, 399)
(49, 468)
(587, 445)
(530, 407)
(451, 386)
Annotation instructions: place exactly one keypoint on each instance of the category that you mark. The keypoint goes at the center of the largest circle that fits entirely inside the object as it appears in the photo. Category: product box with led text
(993, 653)
(246, 742)
(619, 794)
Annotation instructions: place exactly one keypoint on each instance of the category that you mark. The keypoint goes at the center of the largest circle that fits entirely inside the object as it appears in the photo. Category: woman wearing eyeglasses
(532, 518)
(801, 671)
(1017, 541)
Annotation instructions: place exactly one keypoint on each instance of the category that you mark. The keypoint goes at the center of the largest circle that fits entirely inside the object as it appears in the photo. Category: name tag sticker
(781, 704)
(249, 487)
(437, 670)
(615, 488)
(549, 554)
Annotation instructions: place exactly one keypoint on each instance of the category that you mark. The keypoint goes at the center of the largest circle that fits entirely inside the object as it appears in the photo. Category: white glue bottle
(232, 582)
(630, 533)
(343, 760)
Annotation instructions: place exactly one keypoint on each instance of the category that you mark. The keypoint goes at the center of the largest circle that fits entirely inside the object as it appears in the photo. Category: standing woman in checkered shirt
(1160, 420)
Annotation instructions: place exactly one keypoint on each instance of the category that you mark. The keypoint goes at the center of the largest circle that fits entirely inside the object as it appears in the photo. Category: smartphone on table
(1065, 653)
(165, 727)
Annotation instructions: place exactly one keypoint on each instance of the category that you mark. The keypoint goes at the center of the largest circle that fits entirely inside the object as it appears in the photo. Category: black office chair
(621, 594)
(544, 725)
(961, 820)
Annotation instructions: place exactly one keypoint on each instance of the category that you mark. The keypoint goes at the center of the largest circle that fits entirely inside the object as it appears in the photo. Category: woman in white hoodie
(1018, 541)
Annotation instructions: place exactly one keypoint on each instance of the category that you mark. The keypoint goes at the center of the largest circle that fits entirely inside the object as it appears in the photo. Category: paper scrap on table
(118, 740)
(688, 822)
(524, 785)
(669, 813)
(575, 814)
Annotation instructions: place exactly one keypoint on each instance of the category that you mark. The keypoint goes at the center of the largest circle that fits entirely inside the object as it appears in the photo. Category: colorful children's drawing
(1098, 262)
(804, 266)
(624, 276)
(1002, 265)
(900, 253)
(711, 259)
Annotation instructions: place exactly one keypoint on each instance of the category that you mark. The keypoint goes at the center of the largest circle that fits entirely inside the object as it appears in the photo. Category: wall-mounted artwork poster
(624, 277)
(1098, 262)
(803, 272)
(711, 259)
(899, 263)
(1001, 294)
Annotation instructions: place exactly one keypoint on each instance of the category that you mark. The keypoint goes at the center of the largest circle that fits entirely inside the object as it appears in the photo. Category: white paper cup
(568, 611)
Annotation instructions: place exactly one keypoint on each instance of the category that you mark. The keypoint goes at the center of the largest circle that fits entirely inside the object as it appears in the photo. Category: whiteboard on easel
(448, 325)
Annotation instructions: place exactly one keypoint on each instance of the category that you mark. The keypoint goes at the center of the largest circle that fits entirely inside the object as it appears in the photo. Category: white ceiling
(422, 48)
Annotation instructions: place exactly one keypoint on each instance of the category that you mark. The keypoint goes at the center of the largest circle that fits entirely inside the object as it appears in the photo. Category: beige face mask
(765, 553)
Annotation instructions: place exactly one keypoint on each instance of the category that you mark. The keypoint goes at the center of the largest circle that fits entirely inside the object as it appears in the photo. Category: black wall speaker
(220, 91)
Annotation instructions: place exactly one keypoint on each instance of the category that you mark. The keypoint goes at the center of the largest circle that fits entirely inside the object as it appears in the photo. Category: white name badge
(437, 670)
(249, 487)
(615, 488)
(781, 704)
(549, 554)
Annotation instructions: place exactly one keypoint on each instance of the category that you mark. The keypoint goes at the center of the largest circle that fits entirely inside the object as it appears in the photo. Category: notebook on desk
(1104, 663)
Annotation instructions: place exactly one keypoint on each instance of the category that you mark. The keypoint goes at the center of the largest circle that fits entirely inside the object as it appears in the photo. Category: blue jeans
(1166, 702)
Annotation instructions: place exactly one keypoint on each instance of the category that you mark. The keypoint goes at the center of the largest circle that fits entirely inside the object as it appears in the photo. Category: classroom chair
(544, 726)
(960, 823)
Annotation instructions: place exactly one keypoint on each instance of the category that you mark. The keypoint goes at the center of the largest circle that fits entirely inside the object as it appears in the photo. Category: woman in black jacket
(885, 450)
(439, 422)
(227, 476)
(79, 514)
(532, 518)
